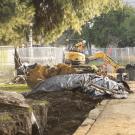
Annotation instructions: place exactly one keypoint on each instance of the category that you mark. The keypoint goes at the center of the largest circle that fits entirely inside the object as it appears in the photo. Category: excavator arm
(106, 59)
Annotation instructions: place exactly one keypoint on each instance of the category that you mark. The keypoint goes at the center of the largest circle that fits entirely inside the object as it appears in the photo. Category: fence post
(128, 55)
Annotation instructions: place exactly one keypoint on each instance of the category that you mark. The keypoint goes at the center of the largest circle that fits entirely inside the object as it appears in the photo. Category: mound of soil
(40, 72)
(67, 110)
(15, 114)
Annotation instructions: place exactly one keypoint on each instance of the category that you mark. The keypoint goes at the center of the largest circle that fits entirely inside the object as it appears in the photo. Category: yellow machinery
(107, 60)
(75, 54)
(74, 58)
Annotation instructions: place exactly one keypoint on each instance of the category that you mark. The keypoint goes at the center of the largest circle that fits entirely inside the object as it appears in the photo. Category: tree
(15, 16)
(53, 17)
(116, 28)
(128, 29)
(50, 17)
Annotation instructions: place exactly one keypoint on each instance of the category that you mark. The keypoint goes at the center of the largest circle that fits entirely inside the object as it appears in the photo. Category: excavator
(117, 68)
(75, 56)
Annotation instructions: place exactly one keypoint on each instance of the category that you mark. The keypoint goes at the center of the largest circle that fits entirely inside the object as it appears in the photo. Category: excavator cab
(75, 54)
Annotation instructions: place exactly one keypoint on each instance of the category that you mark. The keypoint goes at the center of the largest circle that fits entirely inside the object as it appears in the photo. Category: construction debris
(39, 73)
(64, 77)
(93, 85)
(130, 68)
(19, 79)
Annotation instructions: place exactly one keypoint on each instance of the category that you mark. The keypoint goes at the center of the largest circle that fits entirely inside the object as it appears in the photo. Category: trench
(66, 111)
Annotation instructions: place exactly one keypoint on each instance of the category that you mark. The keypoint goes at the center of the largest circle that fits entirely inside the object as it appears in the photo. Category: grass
(44, 102)
(14, 87)
(5, 117)
(97, 62)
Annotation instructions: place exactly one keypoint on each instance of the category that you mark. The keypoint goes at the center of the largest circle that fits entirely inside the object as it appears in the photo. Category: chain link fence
(42, 55)
(52, 56)
(6, 63)
(121, 55)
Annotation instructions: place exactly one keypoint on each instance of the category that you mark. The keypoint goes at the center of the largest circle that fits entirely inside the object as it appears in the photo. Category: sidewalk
(111, 117)
(118, 118)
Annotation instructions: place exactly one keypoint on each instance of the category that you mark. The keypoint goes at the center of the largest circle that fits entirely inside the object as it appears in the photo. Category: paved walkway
(112, 117)
(117, 118)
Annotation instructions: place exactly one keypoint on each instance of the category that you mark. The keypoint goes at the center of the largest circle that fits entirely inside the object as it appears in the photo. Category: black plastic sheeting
(94, 85)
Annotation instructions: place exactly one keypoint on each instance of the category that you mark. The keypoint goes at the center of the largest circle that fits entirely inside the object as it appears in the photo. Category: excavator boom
(106, 59)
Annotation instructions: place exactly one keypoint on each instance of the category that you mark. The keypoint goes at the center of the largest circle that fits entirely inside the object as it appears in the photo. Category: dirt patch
(67, 110)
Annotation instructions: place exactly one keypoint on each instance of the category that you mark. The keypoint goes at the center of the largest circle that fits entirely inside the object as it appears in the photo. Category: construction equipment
(74, 55)
(117, 68)
(74, 58)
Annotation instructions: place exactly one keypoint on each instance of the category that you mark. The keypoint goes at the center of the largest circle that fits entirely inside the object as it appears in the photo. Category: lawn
(14, 87)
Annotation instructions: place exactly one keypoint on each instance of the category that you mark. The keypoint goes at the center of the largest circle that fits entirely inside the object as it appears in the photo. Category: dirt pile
(40, 73)
(20, 117)
(15, 115)
(66, 111)
(40, 111)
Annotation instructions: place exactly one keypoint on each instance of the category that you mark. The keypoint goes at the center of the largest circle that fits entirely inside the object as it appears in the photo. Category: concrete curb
(90, 120)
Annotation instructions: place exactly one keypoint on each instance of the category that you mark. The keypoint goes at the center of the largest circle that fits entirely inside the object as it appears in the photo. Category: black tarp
(94, 85)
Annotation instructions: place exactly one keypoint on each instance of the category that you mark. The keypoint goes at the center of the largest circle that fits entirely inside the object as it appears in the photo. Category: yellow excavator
(117, 68)
(79, 60)
(75, 55)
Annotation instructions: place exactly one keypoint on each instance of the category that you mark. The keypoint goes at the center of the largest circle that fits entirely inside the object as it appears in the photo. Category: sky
(131, 2)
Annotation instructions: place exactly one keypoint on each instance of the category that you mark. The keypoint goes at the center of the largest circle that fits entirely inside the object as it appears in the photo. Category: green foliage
(53, 17)
(50, 17)
(115, 28)
(7, 10)
(107, 28)
(14, 87)
(5, 117)
(40, 102)
(15, 16)
(127, 34)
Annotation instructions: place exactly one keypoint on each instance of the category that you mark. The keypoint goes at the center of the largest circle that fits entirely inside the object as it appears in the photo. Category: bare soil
(67, 110)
